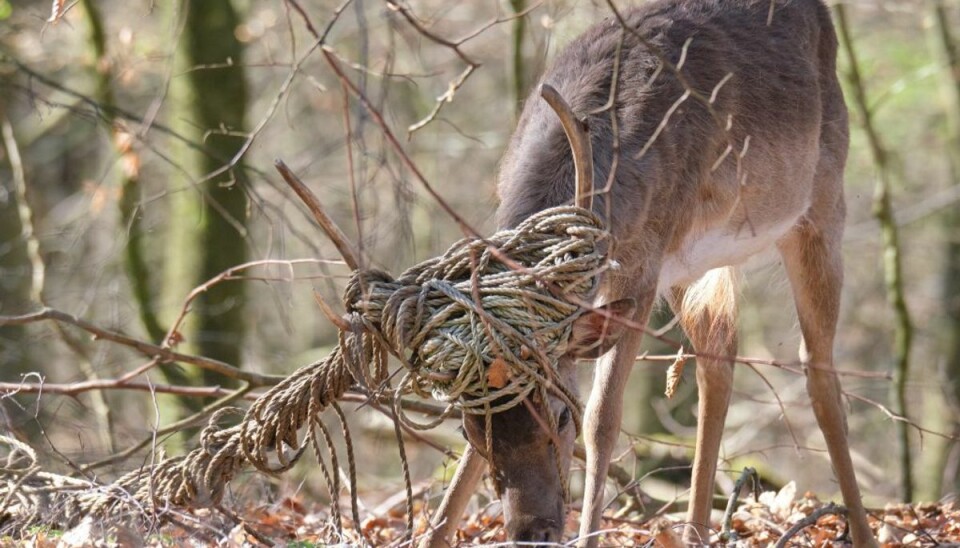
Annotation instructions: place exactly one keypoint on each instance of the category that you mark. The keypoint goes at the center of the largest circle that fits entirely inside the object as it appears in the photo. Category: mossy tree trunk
(19, 291)
(208, 214)
(892, 252)
(143, 281)
(944, 470)
(519, 76)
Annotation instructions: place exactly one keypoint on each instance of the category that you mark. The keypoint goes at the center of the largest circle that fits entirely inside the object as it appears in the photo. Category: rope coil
(450, 317)
(510, 298)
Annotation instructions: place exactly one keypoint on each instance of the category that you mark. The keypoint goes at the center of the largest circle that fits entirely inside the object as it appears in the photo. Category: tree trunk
(945, 468)
(519, 76)
(892, 267)
(20, 282)
(208, 216)
(139, 272)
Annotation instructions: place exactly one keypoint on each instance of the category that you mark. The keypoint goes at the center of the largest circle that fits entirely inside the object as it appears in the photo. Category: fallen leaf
(498, 374)
(57, 10)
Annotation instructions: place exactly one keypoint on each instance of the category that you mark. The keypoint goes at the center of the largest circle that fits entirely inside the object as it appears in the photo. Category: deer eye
(564, 418)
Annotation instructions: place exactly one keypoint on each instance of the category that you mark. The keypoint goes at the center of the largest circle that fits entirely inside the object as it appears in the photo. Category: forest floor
(763, 521)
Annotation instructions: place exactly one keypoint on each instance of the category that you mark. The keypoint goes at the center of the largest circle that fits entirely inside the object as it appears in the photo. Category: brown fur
(679, 223)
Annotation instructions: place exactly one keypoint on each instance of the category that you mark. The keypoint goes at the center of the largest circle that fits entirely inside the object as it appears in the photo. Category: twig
(23, 209)
(899, 418)
(454, 45)
(783, 408)
(624, 479)
(690, 91)
(727, 534)
(327, 310)
(395, 144)
(924, 531)
(102, 111)
(354, 196)
(793, 367)
(185, 422)
(173, 337)
(77, 388)
(810, 520)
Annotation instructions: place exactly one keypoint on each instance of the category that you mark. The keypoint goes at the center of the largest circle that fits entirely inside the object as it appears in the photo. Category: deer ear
(595, 332)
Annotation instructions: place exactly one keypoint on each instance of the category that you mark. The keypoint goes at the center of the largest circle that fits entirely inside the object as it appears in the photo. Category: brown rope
(446, 319)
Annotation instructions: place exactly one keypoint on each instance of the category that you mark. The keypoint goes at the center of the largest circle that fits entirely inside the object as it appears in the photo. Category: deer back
(718, 111)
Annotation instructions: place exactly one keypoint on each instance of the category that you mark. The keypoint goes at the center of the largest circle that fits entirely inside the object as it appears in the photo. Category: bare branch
(810, 520)
(454, 45)
(145, 348)
(329, 227)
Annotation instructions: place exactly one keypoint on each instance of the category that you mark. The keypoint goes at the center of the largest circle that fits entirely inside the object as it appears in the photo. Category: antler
(578, 134)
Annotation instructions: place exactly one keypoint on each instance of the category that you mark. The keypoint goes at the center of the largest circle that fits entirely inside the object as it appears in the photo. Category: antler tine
(578, 135)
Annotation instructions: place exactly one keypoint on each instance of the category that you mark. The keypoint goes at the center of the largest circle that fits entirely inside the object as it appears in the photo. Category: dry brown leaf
(675, 374)
(131, 165)
(665, 536)
(57, 10)
(370, 524)
(498, 374)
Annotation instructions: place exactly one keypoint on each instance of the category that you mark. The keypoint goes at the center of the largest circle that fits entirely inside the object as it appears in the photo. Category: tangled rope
(511, 300)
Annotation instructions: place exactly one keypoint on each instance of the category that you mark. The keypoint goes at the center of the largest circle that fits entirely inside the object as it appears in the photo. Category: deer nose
(537, 532)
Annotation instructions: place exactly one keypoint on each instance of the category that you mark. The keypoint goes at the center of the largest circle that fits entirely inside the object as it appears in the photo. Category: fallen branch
(810, 520)
(727, 534)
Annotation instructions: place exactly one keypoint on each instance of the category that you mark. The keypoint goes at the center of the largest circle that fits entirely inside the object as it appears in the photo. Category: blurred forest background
(138, 141)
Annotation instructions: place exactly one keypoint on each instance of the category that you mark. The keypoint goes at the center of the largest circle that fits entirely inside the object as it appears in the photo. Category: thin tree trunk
(142, 280)
(950, 370)
(518, 66)
(21, 274)
(893, 274)
(208, 220)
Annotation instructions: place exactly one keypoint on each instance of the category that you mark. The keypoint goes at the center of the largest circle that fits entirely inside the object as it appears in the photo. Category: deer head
(529, 447)
(529, 460)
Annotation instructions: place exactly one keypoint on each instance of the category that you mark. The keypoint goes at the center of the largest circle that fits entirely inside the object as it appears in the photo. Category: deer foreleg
(601, 425)
(455, 499)
(707, 314)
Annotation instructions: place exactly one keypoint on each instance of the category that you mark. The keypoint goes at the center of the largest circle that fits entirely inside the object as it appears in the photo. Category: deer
(704, 132)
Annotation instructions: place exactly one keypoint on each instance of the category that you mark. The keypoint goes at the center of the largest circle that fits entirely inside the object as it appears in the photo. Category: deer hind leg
(812, 257)
(707, 313)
